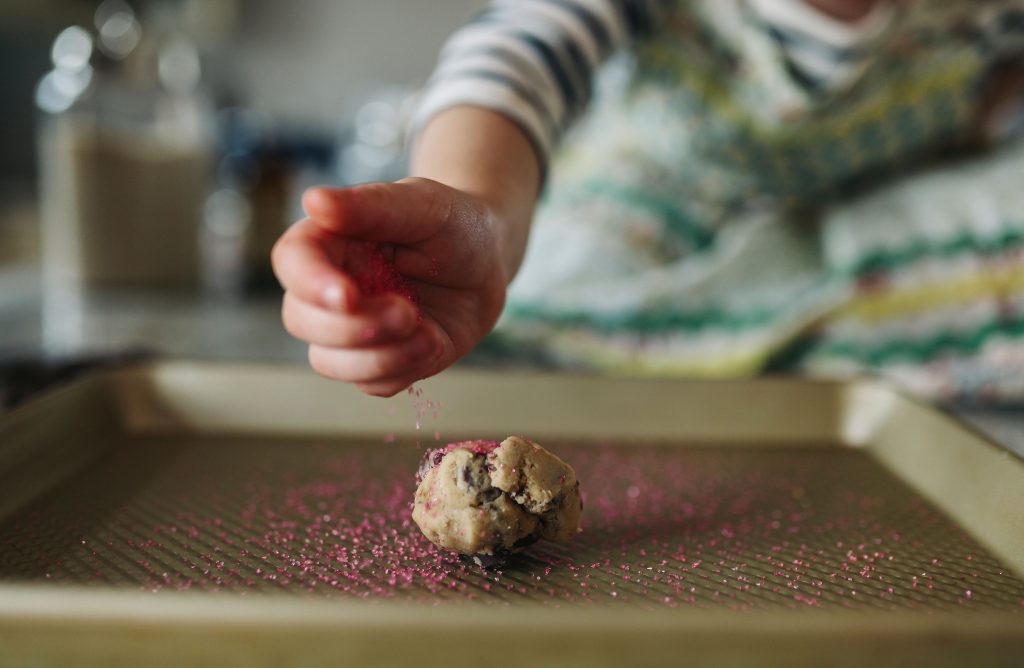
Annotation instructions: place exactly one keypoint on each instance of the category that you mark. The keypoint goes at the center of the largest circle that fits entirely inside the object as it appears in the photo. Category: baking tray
(185, 513)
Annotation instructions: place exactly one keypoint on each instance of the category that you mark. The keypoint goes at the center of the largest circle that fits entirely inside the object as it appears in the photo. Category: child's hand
(443, 249)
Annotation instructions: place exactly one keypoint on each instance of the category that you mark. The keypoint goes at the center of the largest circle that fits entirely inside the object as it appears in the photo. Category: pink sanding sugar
(424, 408)
(477, 447)
(374, 271)
(663, 527)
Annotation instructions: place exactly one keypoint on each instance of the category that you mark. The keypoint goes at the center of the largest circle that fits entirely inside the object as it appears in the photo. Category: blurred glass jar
(125, 141)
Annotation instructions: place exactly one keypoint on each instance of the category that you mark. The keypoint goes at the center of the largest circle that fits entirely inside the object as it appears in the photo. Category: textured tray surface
(739, 528)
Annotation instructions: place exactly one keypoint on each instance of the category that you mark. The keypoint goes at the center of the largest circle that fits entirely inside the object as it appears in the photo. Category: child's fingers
(377, 321)
(367, 365)
(405, 212)
(302, 263)
(389, 387)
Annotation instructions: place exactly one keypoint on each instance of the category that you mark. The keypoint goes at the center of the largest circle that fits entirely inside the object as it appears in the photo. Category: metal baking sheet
(246, 514)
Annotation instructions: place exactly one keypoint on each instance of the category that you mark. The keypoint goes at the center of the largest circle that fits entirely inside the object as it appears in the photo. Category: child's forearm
(484, 154)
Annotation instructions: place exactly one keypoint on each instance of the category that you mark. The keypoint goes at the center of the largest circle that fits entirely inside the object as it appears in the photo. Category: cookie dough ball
(489, 498)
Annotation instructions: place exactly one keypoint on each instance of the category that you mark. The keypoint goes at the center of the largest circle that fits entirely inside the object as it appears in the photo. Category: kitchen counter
(177, 323)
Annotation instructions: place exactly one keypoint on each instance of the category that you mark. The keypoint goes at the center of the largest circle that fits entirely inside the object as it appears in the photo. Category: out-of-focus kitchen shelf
(177, 323)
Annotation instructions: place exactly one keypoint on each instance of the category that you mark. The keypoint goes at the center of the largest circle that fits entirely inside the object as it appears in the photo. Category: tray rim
(112, 379)
(232, 630)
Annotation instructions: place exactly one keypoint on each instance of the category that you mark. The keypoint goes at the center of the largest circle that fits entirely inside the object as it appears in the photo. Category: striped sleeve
(533, 61)
(822, 54)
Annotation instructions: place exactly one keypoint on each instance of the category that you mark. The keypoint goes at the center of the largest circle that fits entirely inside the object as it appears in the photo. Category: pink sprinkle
(688, 526)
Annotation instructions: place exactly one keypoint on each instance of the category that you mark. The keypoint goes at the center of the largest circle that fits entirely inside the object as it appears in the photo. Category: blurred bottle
(125, 144)
(260, 166)
(375, 147)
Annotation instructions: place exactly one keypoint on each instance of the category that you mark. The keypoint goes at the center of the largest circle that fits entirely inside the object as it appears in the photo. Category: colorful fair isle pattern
(716, 207)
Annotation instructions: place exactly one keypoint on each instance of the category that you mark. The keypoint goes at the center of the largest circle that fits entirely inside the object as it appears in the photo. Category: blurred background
(153, 150)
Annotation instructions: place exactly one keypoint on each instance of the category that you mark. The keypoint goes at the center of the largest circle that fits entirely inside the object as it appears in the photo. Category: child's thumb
(403, 212)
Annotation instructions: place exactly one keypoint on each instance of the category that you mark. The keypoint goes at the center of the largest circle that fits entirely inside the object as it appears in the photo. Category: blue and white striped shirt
(534, 60)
